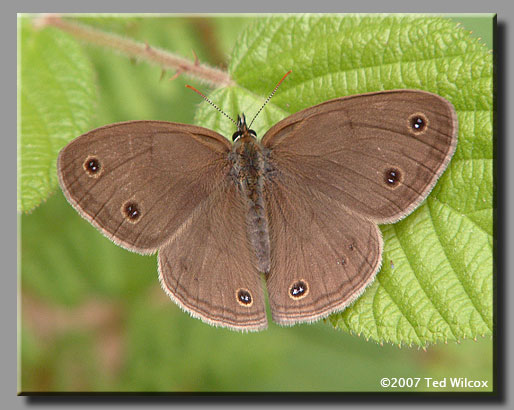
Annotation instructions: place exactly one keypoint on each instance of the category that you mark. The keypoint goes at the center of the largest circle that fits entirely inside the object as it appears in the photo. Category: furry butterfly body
(301, 206)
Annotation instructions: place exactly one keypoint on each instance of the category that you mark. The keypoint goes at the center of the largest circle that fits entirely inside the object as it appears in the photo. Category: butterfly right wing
(322, 255)
(366, 150)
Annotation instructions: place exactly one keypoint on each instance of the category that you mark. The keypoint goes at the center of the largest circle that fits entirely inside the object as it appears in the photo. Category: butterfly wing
(322, 255)
(151, 185)
(378, 154)
(138, 182)
(210, 271)
(338, 169)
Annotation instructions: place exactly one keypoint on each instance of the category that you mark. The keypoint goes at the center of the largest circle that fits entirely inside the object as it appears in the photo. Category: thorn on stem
(197, 62)
(176, 75)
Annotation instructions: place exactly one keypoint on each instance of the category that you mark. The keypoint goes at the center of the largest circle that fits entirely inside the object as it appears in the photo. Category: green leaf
(436, 278)
(56, 97)
(66, 260)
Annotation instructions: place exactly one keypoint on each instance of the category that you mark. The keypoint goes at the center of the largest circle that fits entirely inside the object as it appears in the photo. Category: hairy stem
(162, 58)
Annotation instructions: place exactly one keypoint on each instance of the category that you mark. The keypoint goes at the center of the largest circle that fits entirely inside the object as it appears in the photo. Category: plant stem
(162, 58)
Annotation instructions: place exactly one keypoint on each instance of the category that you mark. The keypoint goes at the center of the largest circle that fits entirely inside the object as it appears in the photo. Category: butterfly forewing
(141, 181)
(377, 154)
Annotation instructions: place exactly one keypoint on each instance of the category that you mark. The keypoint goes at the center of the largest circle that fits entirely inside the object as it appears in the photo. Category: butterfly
(295, 213)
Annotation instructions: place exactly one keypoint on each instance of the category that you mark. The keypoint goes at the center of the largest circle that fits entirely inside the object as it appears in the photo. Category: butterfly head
(242, 129)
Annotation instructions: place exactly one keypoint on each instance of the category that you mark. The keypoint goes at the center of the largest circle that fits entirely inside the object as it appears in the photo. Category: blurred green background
(94, 318)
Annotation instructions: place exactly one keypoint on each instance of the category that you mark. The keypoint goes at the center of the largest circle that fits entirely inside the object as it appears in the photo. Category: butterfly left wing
(322, 255)
(139, 181)
(209, 270)
(151, 185)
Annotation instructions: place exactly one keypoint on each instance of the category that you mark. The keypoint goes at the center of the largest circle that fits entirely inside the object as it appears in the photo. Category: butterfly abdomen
(248, 169)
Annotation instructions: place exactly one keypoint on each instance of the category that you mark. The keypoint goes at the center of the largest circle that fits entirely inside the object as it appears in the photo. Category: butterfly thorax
(248, 165)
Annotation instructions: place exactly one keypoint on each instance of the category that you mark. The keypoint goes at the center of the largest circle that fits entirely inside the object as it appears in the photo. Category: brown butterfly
(300, 207)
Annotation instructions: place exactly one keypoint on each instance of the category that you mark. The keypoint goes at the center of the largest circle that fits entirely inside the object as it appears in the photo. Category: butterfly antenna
(210, 102)
(271, 95)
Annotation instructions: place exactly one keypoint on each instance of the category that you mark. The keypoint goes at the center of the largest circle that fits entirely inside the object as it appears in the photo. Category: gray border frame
(504, 191)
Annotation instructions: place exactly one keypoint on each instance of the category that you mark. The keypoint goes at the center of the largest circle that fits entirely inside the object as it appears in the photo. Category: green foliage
(56, 97)
(436, 280)
(68, 262)
(58, 93)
